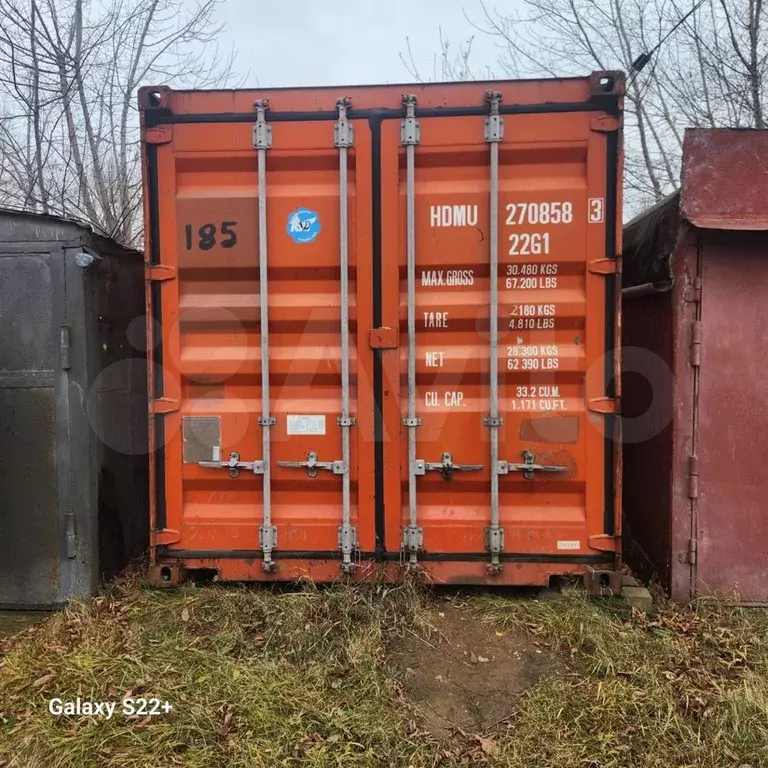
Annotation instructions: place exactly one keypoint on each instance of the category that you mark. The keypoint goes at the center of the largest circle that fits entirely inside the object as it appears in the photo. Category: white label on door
(569, 545)
(306, 425)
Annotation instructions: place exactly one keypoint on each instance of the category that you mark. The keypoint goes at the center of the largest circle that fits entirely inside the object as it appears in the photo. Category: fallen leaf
(490, 747)
(483, 660)
(41, 681)
(473, 658)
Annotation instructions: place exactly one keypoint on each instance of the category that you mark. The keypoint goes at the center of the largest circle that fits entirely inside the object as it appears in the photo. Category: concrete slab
(638, 597)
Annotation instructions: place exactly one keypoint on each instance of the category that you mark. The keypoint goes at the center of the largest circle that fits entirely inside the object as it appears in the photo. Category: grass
(284, 678)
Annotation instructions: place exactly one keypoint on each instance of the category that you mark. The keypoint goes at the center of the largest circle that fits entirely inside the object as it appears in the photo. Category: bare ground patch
(463, 673)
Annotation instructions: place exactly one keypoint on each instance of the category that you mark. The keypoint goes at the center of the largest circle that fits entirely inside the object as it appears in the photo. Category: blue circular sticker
(303, 225)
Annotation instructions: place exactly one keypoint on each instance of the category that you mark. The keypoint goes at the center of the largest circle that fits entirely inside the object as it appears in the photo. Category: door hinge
(693, 477)
(606, 124)
(66, 348)
(692, 292)
(606, 405)
(70, 534)
(696, 333)
(691, 554)
(159, 272)
(160, 134)
(163, 405)
(604, 542)
(383, 338)
(165, 536)
(605, 266)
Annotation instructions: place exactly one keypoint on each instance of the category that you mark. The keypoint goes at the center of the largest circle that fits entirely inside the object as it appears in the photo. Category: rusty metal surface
(683, 510)
(724, 178)
(695, 491)
(29, 536)
(28, 462)
(647, 324)
(659, 513)
(733, 485)
(72, 410)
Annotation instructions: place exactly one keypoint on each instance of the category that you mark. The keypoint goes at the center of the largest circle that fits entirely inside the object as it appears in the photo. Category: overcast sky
(345, 42)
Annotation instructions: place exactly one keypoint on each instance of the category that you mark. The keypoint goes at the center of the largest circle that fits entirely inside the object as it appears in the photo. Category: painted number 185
(206, 235)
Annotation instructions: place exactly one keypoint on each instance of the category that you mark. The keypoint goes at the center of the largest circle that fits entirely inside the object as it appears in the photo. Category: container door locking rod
(312, 464)
(445, 466)
(413, 537)
(528, 467)
(262, 141)
(234, 465)
(494, 133)
(343, 139)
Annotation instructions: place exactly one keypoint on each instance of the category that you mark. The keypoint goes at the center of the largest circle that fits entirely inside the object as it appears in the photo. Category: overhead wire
(642, 60)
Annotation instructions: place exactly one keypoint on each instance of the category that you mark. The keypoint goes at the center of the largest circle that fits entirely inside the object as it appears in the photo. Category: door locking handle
(445, 467)
(234, 465)
(528, 467)
(312, 465)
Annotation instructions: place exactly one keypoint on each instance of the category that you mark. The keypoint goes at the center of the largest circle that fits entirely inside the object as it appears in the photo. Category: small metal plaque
(202, 438)
(313, 424)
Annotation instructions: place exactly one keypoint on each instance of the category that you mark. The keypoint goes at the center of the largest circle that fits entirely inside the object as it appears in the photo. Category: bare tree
(448, 65)
(701, 62)
(69, 74)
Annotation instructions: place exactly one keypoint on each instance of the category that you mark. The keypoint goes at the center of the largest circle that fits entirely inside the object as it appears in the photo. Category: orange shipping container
(384, 330)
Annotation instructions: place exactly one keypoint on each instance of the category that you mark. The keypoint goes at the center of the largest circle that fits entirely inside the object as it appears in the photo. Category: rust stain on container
(695, 270)
(411, 221)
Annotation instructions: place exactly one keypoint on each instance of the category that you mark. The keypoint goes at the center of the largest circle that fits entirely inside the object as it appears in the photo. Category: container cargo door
(254, 267)
(507, 462)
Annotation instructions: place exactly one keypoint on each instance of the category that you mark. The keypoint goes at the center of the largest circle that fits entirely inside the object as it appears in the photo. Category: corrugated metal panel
(72, 456)
(208, 161)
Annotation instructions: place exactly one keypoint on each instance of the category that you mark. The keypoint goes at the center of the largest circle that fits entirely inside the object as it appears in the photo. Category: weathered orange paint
(561, 145)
